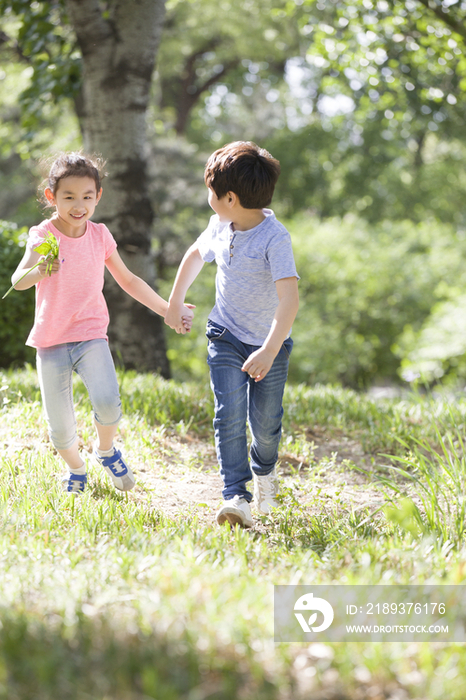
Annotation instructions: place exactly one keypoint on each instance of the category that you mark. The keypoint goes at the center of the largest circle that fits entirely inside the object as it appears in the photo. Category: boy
(249, 327)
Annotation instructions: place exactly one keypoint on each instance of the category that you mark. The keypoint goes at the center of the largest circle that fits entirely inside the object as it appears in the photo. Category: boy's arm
(142, 292)
(189, 268)
(259, 362)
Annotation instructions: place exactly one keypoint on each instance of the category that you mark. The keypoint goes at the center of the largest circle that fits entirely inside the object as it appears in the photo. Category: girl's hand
(47, 268)
(187, 318)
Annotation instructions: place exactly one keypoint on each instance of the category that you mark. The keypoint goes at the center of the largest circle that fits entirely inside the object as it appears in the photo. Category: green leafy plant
(50, 247)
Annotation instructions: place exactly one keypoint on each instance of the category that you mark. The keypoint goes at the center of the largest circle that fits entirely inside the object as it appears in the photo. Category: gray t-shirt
(248, 265)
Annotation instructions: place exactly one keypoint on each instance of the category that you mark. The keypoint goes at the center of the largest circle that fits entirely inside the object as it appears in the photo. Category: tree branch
(5, 39)
(216, 76)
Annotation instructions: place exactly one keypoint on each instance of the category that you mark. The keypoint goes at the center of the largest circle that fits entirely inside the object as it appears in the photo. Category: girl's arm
(259, 362)
(31, 258)
(189, 268)
(142, 292)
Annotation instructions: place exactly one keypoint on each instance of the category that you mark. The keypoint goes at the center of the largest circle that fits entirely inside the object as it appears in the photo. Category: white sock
(81, 470)
(105, 453)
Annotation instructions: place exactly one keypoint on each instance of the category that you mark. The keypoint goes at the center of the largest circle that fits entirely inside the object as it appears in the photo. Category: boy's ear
(49, 195)
(231, 198)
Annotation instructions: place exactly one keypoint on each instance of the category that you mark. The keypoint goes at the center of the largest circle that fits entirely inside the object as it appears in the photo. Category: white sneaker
(235, 511)
(265, 490)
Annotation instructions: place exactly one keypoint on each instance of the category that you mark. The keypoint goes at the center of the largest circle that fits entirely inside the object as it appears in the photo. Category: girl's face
(75, 201)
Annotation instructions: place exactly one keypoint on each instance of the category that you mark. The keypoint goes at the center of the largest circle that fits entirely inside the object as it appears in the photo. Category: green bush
(438, 350)
(361, 286)
(17, 310)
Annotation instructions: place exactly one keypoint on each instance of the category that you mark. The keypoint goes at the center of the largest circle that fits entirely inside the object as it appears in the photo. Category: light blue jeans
(238, 400)
(93, 362)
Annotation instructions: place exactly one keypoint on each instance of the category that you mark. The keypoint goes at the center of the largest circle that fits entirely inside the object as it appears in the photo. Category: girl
(71, 318)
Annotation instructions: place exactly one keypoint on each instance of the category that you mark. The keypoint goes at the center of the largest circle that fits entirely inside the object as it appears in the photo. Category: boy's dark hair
(75, 164)
(245, 169)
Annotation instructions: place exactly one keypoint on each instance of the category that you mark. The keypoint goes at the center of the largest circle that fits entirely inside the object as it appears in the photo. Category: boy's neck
(247, 219)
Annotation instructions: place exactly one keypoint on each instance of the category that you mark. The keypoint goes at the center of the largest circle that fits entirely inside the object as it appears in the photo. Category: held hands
(180, 317)
(258, 364)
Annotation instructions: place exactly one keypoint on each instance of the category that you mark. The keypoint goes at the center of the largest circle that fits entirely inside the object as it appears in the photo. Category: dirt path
(182, 476)
(185, 480)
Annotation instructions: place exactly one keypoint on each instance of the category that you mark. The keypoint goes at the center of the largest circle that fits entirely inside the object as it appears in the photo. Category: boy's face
(220, 206)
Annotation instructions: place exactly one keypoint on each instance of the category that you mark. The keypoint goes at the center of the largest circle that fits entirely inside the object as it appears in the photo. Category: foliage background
(18, 312)
(364, 105)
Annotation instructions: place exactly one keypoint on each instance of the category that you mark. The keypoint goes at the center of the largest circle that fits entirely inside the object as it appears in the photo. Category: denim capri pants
(93, 362)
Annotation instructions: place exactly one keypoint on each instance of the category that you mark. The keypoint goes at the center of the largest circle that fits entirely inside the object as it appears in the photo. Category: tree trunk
(119, 41)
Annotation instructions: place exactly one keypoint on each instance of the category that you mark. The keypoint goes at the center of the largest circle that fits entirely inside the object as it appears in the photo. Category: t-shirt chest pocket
(248, 264)
(233, 256)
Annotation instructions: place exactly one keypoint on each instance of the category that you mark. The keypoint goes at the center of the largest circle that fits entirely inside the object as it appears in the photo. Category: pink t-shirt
(70, 305)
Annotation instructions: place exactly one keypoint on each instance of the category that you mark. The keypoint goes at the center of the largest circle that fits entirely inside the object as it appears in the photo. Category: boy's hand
(179, 317)
(258, 364)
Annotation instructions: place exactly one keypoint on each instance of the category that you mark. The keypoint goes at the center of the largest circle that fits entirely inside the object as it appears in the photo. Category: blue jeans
(238, 400)
(93, 362)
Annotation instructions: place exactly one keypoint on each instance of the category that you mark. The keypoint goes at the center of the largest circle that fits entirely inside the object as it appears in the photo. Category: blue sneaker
(117, 469)
(74, 483)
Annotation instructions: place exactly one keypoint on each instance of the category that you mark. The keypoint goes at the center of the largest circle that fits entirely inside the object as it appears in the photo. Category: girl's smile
(75, 201)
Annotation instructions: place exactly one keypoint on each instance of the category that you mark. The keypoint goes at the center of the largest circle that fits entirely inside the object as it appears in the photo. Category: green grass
(130, 597)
